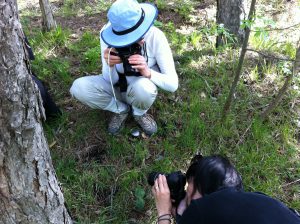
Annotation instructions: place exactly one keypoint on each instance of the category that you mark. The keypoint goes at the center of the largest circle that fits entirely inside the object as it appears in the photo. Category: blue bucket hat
(128, 22)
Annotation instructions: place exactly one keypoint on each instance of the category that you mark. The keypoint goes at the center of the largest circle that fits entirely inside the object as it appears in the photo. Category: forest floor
(103, 177)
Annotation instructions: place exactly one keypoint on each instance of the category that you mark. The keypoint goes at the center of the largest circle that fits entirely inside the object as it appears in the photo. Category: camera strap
(122, 82)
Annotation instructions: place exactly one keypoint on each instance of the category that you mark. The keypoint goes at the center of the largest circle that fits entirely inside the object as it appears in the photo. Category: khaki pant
(95, 92)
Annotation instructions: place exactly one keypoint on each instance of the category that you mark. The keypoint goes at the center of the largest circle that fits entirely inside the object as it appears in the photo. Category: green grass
(104, 178)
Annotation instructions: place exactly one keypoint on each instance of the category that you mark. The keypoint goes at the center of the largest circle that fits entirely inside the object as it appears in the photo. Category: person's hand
(162, 196)
(113, 59)
(138, 62)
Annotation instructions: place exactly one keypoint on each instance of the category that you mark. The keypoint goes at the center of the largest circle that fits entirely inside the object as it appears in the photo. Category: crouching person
(136, 59)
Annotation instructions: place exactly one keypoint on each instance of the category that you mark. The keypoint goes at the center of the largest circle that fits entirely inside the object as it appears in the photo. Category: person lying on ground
(215, 195)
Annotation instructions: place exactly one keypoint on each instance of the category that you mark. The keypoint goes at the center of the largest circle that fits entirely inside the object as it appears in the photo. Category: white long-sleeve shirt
(160, 61)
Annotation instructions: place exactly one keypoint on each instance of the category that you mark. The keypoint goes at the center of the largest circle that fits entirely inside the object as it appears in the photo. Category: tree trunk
(48, 19)
(285, 87)
(230, 13)
(29, 191)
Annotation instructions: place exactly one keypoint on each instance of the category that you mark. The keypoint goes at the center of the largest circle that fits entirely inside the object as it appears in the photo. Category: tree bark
(285, 87)
(230, 13)
(48, 19)
(241, 62)
(29, 190)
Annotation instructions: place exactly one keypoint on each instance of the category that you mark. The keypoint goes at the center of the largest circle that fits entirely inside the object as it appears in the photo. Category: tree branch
(294, 182)
(270, 56)
(279, 29)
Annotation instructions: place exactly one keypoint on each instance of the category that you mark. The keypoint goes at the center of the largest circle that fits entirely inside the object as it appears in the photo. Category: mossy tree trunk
(230, 13)
(48, 19)
(29, 190)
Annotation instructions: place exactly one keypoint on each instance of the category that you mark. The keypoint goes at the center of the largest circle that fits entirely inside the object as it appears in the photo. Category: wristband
(164, 217)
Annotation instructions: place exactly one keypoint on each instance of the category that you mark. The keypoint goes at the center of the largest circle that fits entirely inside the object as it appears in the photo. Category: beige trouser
(96, 92)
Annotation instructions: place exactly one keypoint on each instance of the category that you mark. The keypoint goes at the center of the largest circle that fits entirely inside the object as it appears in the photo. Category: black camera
(124, 53)
(176, 182)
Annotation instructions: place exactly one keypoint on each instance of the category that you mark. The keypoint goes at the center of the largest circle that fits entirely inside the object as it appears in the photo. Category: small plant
(161, 4)
(288, 49)
(139, 198)
(196, 39)
(228, 38)
(285, 67)
(184, 8)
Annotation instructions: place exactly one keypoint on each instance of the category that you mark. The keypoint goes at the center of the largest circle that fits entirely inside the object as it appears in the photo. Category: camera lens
(152, 177)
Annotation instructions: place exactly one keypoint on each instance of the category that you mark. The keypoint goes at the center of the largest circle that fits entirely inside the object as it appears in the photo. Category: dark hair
(212, 173)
